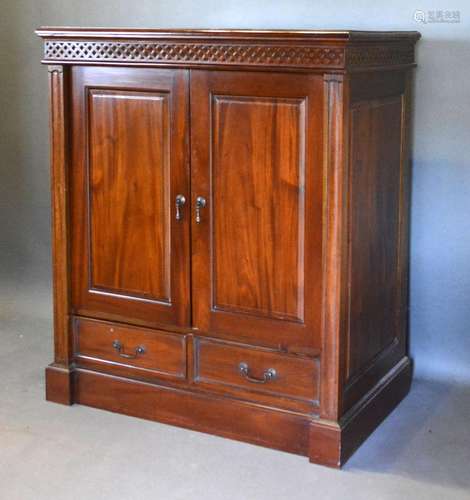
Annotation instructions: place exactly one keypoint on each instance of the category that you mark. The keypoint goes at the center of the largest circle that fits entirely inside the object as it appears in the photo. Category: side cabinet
(230, 230)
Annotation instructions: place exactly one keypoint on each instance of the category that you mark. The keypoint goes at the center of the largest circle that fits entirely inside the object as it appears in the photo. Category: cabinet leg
(325, 444)
(332, 443)
(59, 384)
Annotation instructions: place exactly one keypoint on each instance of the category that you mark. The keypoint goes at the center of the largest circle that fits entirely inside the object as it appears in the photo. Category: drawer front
(150, 350)
(257, 370)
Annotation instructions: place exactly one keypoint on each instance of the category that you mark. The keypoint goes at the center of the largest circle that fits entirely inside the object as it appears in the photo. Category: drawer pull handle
(269, 374)
(119, 348)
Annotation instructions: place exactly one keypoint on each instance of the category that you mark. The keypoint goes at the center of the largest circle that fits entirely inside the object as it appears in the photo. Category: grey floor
(49, 451)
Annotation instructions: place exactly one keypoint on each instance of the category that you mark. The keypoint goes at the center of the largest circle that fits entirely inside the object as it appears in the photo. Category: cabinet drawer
(257, 370)
(140, 348)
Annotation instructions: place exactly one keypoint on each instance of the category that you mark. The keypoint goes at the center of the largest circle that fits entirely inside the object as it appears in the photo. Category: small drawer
(141, 348)
(257, 370)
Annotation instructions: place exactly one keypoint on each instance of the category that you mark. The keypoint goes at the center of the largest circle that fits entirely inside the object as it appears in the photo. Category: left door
(129, 166)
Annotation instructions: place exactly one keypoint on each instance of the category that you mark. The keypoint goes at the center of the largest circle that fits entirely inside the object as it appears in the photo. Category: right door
(256, 142)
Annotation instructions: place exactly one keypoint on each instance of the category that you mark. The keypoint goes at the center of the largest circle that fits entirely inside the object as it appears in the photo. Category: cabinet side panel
(374, 196)
(376, 336)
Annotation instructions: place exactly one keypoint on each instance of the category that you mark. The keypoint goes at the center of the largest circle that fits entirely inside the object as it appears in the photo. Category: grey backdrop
(440, 289)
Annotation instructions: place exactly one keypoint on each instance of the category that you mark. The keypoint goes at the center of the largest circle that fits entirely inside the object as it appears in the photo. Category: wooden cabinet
(230, 229)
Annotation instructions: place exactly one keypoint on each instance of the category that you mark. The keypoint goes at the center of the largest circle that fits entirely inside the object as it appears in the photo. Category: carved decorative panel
(380, 55)
(203, 53)
(298, 56)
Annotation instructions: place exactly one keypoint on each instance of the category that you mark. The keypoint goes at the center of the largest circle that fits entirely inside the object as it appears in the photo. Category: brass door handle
(200, 203)
(120, 350)
(180, 201)
(269, 374)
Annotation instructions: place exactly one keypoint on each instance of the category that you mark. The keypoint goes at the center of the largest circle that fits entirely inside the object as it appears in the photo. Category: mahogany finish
(231, 229)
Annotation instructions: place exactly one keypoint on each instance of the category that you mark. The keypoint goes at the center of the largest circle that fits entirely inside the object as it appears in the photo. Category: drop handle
(200, 203)
(120, 350)
(269, 374)
(180, 201)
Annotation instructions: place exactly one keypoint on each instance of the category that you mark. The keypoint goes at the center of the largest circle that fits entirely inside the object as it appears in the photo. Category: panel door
(256, 146)
(129, 163)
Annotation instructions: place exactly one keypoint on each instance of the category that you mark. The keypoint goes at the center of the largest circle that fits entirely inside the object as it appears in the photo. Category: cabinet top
(288, 49)
(144, 33)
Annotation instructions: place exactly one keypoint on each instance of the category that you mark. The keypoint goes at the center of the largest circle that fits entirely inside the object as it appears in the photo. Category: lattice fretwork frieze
(251, 54)
(381, 55)
(298, 56)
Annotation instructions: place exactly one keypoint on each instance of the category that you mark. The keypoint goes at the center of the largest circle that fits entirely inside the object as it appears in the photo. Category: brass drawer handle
(269, 374)
(119, 348)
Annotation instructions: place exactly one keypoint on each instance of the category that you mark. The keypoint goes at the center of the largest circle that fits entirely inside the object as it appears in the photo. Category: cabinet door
(256, 149)
(129, 163)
